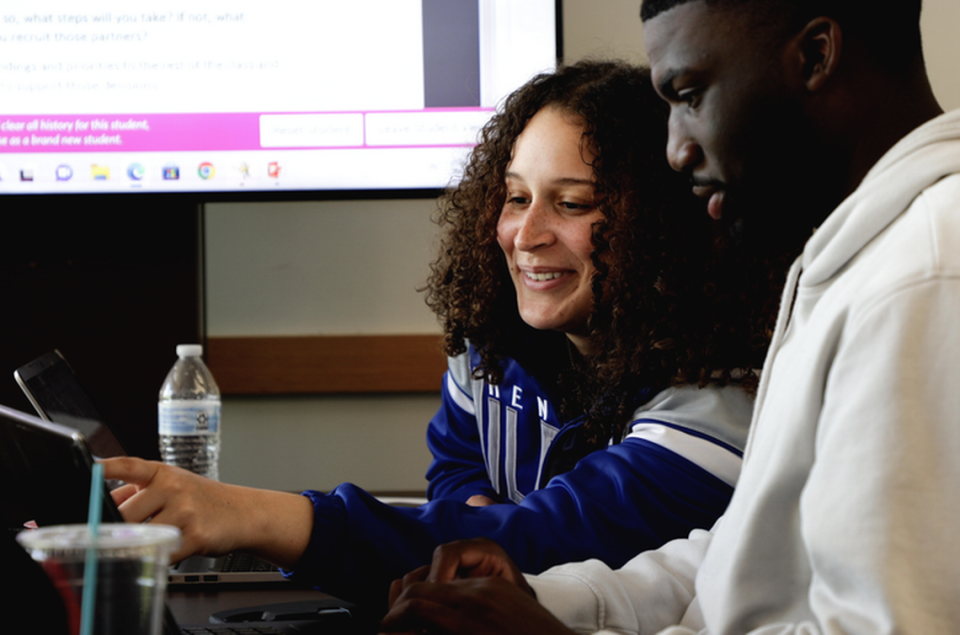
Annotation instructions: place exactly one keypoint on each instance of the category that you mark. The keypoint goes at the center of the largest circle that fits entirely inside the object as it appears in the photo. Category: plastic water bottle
(189, 414)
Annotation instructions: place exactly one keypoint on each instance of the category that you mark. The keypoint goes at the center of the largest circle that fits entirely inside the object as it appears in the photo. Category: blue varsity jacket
(672, 472)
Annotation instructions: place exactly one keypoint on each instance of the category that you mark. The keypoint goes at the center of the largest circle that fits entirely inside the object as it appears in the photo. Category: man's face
(736, 124)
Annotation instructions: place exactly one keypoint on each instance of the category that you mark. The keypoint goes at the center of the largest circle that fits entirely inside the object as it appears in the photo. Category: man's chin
(755, 228)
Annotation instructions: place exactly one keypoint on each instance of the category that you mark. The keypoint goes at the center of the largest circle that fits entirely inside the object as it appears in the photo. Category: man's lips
(704, 186)
(715, 204)
(714, 192)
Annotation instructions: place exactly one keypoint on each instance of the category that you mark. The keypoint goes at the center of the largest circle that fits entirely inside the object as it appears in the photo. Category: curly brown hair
(670, 306)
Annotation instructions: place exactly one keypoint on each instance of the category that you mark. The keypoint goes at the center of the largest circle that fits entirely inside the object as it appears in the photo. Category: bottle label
(186, 417)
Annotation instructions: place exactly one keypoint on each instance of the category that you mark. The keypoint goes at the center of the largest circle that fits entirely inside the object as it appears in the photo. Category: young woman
(600, 359)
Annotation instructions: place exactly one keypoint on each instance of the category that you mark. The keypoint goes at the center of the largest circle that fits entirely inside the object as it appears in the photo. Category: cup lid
(111, 535)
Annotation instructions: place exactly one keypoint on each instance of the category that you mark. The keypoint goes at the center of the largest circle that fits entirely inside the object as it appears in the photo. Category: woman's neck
(580, 342)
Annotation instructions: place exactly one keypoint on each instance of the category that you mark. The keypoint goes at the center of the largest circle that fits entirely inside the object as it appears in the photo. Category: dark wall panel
(115, 285)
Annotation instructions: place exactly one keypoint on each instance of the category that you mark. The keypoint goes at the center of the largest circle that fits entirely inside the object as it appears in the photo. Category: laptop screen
(45, 471)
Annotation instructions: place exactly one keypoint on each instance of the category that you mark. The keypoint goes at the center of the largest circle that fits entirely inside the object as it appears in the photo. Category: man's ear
(820, 45)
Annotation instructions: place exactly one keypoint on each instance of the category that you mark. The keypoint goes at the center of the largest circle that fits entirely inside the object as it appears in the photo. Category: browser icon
(136, 171)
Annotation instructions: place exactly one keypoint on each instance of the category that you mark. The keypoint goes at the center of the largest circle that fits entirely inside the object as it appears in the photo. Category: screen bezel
(199, 197)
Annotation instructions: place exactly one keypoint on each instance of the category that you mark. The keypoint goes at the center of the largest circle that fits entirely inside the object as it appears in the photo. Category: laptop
(45, 472)
(56, 394)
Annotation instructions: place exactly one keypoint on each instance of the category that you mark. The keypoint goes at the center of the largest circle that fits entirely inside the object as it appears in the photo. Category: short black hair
(890, 29)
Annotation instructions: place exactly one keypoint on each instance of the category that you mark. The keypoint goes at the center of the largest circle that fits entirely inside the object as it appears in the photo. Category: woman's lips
(542, 277)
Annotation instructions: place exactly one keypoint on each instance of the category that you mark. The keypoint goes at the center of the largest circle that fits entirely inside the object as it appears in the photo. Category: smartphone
(56, 394)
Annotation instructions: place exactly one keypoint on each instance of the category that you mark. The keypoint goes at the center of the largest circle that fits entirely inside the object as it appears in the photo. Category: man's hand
(472, 586)
(476, 558)
(464, 559)
(468, 606)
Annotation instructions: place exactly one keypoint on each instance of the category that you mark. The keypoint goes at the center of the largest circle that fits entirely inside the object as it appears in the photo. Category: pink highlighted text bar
(239, 131)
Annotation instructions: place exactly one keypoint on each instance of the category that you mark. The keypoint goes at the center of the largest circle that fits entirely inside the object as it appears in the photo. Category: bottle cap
(189, 350)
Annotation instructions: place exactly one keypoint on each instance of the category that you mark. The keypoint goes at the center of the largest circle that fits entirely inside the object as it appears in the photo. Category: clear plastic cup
(131, 562)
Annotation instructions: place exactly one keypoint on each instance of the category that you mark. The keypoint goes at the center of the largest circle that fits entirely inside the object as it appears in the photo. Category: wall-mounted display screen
(112, 97)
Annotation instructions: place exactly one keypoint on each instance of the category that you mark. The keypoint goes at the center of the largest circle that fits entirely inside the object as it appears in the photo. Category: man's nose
(683, 152)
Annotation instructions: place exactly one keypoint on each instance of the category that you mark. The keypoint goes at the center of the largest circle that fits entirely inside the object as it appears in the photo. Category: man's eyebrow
(665, 85)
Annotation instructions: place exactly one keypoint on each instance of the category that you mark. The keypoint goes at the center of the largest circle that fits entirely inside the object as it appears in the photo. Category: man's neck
(889, 111)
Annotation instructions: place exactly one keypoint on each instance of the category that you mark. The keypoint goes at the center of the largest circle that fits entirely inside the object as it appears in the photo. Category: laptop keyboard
(226, 629)
(244, 562)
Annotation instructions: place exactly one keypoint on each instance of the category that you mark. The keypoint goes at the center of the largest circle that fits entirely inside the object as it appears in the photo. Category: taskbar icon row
(135, 172)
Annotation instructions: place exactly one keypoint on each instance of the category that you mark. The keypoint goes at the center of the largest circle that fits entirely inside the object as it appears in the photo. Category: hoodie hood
(917, 161)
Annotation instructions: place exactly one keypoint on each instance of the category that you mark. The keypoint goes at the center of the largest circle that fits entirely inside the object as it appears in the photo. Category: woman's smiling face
(546, 225)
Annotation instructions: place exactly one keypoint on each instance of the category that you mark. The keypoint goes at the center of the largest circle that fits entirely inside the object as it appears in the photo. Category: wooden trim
(327, 364)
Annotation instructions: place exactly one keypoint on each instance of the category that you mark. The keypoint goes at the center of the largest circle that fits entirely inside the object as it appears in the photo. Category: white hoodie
(846, 518)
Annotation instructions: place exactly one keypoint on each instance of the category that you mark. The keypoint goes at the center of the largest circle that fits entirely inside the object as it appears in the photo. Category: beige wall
(612, 28)
(321, 268)
(940, 20)
(353, 267)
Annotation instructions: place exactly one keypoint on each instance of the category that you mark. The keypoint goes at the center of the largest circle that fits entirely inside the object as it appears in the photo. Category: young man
(844, 520)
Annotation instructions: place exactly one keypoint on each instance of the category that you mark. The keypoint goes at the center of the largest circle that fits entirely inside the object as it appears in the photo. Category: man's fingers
(415, 613)
(455, 559)
(397, 586)
(417, 575)
(445, 565)
(469, 559)
(468, 607)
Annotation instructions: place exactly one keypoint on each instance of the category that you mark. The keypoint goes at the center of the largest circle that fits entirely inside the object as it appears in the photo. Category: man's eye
(689, 95)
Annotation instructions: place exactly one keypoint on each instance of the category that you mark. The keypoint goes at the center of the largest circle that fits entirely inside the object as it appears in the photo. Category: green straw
(88, 605)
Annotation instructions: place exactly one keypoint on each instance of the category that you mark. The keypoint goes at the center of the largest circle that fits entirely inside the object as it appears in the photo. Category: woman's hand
(214, 518)
(479, 500)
